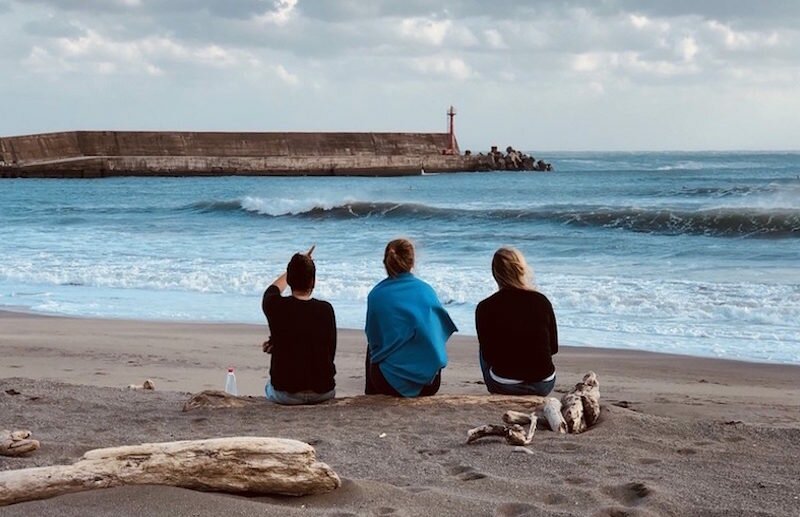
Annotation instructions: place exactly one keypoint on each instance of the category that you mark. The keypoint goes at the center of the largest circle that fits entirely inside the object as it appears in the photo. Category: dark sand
(678, 435)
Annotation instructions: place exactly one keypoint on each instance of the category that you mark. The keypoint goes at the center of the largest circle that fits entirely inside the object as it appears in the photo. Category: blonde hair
(509, 269)
(398, 257)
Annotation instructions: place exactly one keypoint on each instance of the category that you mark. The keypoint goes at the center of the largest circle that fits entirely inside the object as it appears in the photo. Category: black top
(517, 334)
(303, 338)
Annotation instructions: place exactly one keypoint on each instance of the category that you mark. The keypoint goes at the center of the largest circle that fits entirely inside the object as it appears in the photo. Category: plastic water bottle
(230, 383)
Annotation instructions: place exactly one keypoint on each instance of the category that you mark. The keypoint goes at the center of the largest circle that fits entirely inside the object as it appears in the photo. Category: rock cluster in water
(511, 160)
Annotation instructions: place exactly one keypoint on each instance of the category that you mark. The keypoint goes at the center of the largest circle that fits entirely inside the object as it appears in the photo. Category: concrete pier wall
(95, 167)
(48, 146)
(143, 153)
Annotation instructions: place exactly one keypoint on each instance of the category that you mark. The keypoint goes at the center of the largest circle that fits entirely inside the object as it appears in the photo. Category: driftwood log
(578, 410)
(514, 434)
(147, 385)
(517, 417)
(581, 406)
(17, 443)
(212, 399)
(552, 413)
(245, 465)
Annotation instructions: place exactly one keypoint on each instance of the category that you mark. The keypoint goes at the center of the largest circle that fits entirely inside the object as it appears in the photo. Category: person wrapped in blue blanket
(407, 328)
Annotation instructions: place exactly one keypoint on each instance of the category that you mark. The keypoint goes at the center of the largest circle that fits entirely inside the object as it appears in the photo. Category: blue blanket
(407, 329)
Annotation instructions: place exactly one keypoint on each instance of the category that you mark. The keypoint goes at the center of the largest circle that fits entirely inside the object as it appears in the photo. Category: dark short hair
(301, 273)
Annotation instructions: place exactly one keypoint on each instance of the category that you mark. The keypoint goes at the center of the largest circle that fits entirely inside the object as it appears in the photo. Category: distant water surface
(694, 253)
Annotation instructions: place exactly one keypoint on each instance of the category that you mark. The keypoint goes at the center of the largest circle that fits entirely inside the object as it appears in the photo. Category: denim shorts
(296, 399)
(542, 388)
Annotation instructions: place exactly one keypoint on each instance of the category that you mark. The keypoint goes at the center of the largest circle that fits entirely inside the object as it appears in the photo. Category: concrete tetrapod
(240, 465)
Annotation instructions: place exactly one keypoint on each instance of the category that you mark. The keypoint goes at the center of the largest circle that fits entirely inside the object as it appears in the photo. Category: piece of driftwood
(244, 465)
(590, 397)
(572, 411)
(514, 434)
(17, 443)
(578, 410)
(581, 405)
(531, 431)
(552, 414)
(212, 399)
(517, 417)
(147, 385)
(477, 433)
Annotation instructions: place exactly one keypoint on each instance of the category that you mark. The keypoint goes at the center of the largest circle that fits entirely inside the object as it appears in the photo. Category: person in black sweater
(517, 331)
(302, 337)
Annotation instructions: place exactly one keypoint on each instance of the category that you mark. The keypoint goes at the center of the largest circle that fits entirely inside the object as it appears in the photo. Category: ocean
(690, 253)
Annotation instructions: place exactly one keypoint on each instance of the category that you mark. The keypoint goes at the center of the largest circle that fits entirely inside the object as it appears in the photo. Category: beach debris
(241, 465)
(513, 430)
(12, 391)
(146, 385)
(17, 443)
(382, 435)
(516, 417)
(577, 410)
(522, 449)
(552, 414)
(581, 405)
(551, 411)
(514, 434)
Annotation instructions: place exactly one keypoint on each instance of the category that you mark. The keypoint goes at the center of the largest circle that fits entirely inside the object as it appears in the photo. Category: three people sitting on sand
(407, 329)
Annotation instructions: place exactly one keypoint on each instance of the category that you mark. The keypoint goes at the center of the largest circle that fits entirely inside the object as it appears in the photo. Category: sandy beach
(678, 435)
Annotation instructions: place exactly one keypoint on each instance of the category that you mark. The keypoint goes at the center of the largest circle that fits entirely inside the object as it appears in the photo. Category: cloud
(547, 56)
(431, 32)
(281, 14)
(494, 39)
(743, 40)
(285, 76)
(52, 27)
(688, 48)
(630, 64)
(444, 66)
(153, 55)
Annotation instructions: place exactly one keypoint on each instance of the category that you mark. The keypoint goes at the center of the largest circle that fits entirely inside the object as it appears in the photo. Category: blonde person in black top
(517, 331)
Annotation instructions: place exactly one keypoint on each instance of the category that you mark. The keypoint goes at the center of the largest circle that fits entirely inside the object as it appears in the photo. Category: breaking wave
(722, 222)
(770, 194)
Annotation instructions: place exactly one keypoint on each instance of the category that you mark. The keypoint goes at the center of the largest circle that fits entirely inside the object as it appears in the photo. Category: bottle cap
(230, 369)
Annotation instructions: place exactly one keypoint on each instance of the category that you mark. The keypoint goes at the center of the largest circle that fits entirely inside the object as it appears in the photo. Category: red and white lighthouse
(451, 143)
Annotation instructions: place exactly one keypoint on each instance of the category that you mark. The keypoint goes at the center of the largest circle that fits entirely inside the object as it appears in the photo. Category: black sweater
(303, 338)
(517, 334)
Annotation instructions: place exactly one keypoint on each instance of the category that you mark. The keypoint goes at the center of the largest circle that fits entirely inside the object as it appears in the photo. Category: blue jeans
(296, 399)
(542, 388)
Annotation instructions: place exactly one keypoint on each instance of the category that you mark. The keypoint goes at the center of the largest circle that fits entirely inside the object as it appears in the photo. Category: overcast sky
(538, 75)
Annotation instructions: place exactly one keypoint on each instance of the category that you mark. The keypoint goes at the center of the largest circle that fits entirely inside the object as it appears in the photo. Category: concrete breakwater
(92, 154)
